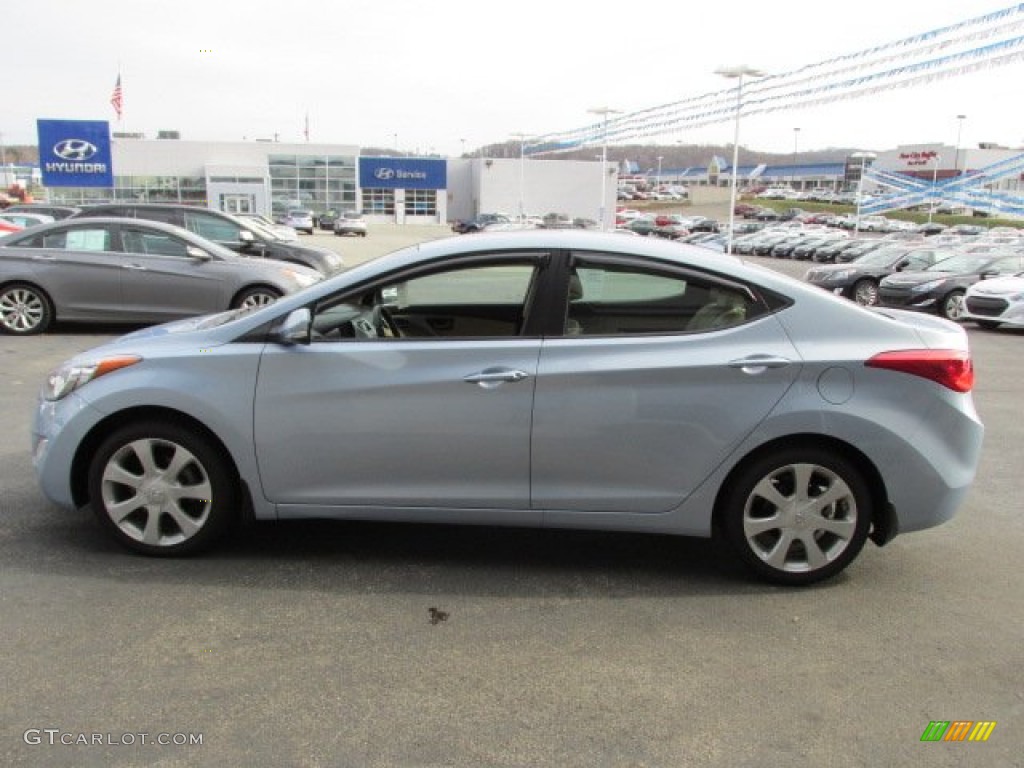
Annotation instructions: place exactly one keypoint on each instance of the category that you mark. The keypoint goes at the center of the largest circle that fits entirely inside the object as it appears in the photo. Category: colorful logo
(958, 730)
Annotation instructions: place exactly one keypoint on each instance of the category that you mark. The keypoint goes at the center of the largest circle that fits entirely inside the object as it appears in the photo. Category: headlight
(301, 278)
(929, 286)
(333, 260)
(69, 377)
(842, 274)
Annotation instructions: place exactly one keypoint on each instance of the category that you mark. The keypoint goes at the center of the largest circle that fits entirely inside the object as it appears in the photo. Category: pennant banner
(984, 42)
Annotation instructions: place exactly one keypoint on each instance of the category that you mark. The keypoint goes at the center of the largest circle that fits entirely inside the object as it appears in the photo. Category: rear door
(80, 267)
(658, 375)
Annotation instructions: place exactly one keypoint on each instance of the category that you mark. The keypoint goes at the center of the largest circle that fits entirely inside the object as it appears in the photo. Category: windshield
(964, 263)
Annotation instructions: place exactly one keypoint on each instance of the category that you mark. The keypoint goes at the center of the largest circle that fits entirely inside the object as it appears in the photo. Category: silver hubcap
(867, 294)
(800, 518)
(156, 492)
(21, 310)
(955, 306)
(259, 299)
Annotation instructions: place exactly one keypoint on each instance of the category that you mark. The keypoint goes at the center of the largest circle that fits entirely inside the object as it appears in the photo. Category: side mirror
(246, 239)
(902, 265)
(197, 253)
(293, 328)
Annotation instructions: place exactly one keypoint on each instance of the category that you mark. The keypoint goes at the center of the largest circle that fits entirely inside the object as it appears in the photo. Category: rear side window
(80, 239)
(617, 299)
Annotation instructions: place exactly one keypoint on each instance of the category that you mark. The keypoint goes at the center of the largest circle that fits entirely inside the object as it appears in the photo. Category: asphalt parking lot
(349, 644)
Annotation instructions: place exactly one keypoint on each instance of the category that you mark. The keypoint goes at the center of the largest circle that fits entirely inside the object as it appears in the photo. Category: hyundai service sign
(402, 173)
(75, 153)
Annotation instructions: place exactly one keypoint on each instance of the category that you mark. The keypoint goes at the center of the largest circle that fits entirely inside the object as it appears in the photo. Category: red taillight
(949, 367)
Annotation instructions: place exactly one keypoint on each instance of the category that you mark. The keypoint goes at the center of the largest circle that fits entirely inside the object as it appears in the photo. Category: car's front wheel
(259, 296)
(24, 310)
(162, 489)
(865, 293)
(952, 307)
(798, 515)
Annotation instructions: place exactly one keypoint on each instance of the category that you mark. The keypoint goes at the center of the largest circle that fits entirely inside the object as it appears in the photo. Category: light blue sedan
(560, 378)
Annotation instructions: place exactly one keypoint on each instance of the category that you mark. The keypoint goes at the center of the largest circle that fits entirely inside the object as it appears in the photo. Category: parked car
(249, 238)
(350, 223)
(477, 224)
(941, 287)
(300, 220)
(24, 220)
(996, 301)
(858, 280)
(326, 220)
(58, 212)
(119, 270)
(606, 364)
(283, 231)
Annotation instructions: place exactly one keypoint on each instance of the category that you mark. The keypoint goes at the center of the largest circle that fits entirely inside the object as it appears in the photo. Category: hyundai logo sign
(383, 174)
(79, 153)
(79, 150)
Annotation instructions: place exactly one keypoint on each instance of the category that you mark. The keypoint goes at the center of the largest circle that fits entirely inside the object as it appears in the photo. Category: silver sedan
(127, 270)
(549, 378)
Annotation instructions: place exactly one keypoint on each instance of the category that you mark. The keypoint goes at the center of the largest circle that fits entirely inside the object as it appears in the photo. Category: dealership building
(271, 177)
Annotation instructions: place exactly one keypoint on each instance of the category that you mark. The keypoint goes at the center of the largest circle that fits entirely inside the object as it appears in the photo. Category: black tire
(25, 310)
(952, 306)
(153, 513)
(256, 296)
(988, 325)
(808, 544)
(865, 292)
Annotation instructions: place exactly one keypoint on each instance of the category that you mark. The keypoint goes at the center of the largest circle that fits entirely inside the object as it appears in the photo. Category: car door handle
(755, 364)
(42, 257)
(137, 267)
(495, 376)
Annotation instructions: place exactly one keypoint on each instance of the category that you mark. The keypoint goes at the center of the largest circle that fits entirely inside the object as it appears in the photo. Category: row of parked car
(977, 278)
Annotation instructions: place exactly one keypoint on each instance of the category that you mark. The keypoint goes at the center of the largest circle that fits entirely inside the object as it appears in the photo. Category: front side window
(154, 243)
(483, 300)
(614, 299)
(211, 227)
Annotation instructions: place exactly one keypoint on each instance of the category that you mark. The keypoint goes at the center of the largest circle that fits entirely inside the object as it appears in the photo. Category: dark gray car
(124, 270)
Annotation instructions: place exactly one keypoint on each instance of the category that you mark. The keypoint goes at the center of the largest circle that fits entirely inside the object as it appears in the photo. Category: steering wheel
(384, 324)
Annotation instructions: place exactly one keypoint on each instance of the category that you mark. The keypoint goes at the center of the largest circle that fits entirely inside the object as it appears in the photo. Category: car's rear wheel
(162, 489)
(24, 309)
(798, 515)
(952, 307)
(865, 293)
(259, 296)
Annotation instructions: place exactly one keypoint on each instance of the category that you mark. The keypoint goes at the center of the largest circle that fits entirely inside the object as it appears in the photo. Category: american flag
(117, 98)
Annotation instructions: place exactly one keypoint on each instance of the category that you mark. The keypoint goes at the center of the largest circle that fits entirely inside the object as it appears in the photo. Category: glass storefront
(313, 182)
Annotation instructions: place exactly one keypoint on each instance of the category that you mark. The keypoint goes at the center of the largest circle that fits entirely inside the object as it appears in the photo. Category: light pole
(522, 173)
(796, 138)
(959, 127)
(657, 179)
(737, 73)
(603, 112)
(935, 183)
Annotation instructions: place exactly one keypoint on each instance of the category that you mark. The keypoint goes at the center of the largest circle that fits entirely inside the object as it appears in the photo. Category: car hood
(999, 286)
(917, 278)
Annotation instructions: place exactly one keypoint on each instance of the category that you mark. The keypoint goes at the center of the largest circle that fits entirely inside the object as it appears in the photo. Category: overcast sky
(452, 74)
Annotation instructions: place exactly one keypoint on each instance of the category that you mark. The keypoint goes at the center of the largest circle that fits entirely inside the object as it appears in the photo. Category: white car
(282, 231)
(299, 220)
(996, 301)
